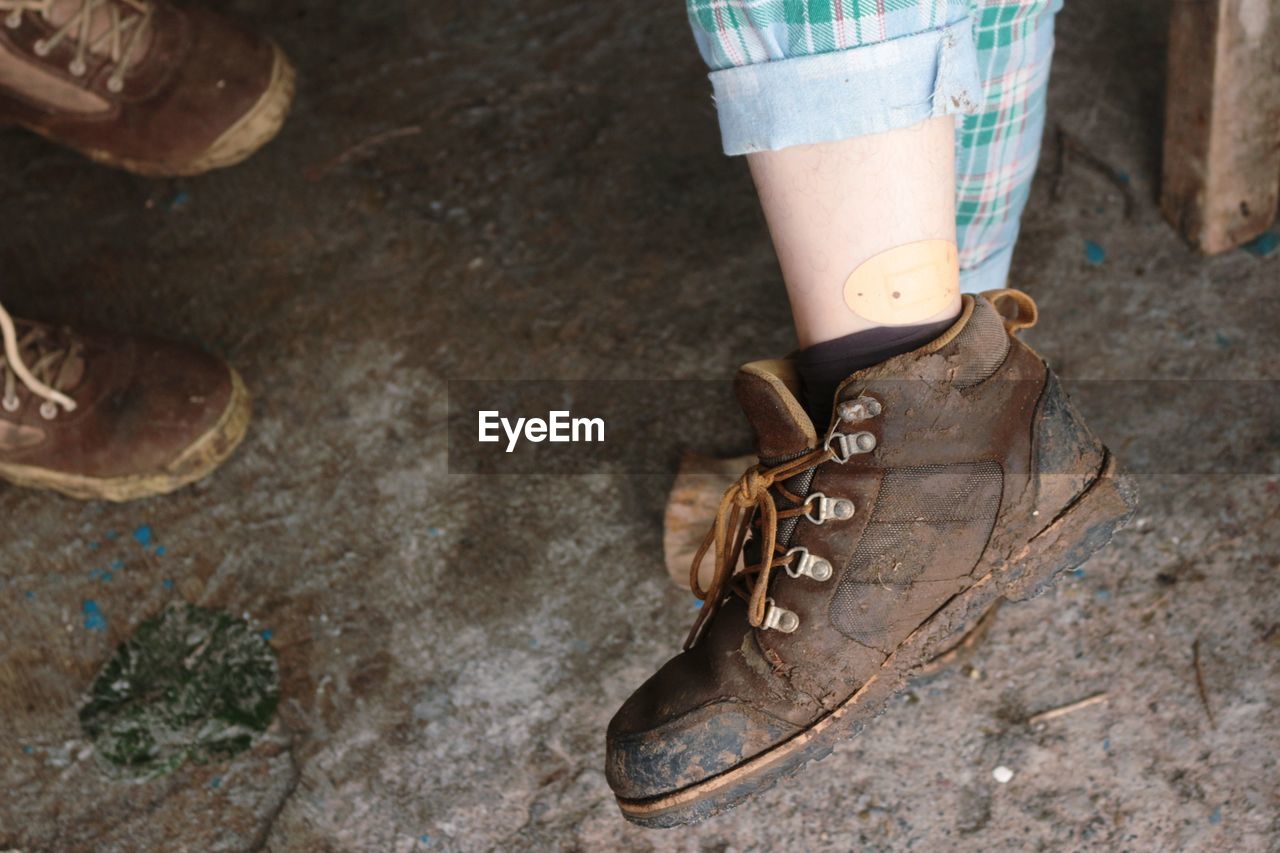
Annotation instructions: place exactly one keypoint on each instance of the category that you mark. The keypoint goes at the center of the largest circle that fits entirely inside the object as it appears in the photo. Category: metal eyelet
(780, 619)
(10, 404)
(14, 19)
(115, 84)
(848, 445)
(809, 565)
(40, 47)
(827, 508)
(862, 409)
(48, 410)
(77, 67)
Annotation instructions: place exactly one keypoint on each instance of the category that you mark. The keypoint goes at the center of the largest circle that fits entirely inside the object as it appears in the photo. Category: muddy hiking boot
(950, 477)
(110, 416)
(145, 85)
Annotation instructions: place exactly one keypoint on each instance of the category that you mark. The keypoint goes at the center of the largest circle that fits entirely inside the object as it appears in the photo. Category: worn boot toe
(655, 749)
(691, 720)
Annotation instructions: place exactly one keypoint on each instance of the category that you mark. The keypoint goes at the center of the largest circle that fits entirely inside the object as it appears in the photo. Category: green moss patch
(191, 683)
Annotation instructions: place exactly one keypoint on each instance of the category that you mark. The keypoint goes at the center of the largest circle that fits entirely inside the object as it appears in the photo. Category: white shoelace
(119, 40)
(12, 365)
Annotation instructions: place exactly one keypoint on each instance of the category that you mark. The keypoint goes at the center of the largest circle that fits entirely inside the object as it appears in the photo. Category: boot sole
(199, 459)
(1076, 534)
(251, 131)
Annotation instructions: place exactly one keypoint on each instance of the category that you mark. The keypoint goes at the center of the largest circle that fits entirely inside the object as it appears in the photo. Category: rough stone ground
(545, 199)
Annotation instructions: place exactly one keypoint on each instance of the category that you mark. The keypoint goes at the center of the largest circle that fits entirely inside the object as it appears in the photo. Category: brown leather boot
(112, 417)
(949, 478)
(144, 85)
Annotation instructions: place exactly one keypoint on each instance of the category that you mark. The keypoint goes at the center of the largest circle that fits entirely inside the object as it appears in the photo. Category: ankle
(823, 366)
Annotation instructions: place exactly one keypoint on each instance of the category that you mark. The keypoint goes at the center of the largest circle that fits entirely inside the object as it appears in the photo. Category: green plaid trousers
(790, 72)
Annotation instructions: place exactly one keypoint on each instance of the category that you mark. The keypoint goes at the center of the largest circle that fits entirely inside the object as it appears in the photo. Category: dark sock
(824, 366)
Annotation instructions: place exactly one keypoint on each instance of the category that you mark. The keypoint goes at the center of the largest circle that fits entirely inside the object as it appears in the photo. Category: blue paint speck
(434, 531)
(1264, 244)
(26, 749)
(1094, 254)
(697, 604)
(167, 583)
(215, 782)
(1077, 572)
(161, 550)
(117, 564)
(1106, 745)
(31, 596)
(111, 534)
(1216, 817)
(424, 838)
(93, 618)
(93, 546)
(106, 577)
(1103, 594)
(180, 200)
(265, 633)
(143, 535)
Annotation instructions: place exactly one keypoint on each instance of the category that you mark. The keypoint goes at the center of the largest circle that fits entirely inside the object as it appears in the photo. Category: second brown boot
(113, 417)
(950, 477)
(144, 85)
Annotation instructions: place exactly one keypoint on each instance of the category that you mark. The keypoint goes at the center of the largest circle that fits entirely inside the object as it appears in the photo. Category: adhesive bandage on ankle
(905, 284)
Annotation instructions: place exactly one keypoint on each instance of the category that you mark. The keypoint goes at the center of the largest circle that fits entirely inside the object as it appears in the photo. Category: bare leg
(833, 206)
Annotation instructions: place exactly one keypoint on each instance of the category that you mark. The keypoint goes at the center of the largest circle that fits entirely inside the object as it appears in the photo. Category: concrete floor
(544, 198)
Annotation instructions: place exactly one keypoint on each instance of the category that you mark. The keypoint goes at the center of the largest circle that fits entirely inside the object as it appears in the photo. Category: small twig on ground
(1071, 148)
(360, 149)
(1063, 710)
(1200, 688)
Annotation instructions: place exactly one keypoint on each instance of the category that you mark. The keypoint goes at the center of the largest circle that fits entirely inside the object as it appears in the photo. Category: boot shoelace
(126, 22)
(54, 362)
(751, 499)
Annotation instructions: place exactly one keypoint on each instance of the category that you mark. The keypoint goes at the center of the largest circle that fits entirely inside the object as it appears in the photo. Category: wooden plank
(1221, 178)
(691, 510)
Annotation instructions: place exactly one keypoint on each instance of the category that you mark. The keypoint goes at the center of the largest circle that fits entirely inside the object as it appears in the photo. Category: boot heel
(1076, 534)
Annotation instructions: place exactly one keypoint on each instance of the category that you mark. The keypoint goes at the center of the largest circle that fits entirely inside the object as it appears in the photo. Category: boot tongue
(59, 350)
(766, 391)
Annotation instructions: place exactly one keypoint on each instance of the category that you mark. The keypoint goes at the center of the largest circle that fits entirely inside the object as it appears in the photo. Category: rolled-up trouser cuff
(830, 96)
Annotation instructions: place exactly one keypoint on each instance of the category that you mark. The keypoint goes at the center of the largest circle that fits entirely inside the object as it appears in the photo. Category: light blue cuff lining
(831, 96)
(991, 274)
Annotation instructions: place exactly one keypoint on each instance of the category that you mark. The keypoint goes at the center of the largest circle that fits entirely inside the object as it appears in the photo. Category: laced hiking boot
(145, 85)
(112, 417)
(950, 477)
